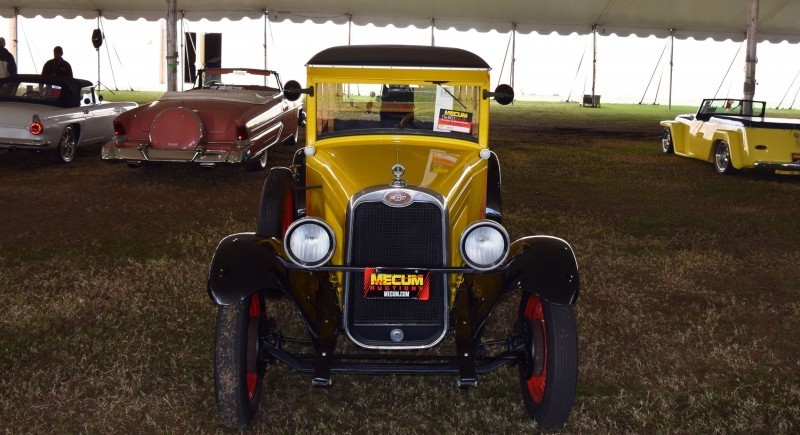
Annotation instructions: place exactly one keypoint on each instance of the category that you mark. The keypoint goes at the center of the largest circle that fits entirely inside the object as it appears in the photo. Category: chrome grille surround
(422, 201)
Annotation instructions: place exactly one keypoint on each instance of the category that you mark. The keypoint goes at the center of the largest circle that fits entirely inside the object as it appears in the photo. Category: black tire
(722, 158)
(277, 208)
(67, 146)
(666, 142)
(238, 370)
(548, 379)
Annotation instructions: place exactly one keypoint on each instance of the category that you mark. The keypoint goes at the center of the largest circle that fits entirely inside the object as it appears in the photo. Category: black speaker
(97, 38)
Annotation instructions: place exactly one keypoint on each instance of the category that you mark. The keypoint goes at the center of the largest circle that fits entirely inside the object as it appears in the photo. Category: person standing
(8, 66)
(57, 66)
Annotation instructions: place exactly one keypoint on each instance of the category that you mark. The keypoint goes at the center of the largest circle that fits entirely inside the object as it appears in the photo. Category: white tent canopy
(717, 19)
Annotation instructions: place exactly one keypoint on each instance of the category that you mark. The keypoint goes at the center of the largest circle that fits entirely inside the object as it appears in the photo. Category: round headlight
(309, 242)
(484, 245)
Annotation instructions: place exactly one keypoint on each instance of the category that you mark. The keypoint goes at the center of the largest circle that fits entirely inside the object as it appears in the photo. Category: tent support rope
(654, 72)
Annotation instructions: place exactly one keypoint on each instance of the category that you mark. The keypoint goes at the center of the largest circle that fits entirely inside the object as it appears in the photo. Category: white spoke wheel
(260, 163)
(722, 157)
(548, 375)
(292, 139)
(666, 142)
(65, 152)
(238, 368)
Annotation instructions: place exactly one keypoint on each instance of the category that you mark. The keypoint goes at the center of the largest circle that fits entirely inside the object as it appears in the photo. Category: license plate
(380, 283)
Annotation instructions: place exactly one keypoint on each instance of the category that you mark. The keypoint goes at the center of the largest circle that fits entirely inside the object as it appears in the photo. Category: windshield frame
(410, 107)
(476, 78)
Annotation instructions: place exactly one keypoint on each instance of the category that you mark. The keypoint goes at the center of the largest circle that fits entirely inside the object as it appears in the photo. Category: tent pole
(671, 52)
(433, 26)
(349, 28)
(266, 21)
(172, 51)
(97, 49)
(513, 50)
(182, 38)
(594, 60)
(12, 31)
(750, 58)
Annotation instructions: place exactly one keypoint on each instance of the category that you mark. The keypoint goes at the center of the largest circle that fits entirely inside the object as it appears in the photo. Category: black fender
(494, 205)
(299, 169)
(543, 265)
(243, 264)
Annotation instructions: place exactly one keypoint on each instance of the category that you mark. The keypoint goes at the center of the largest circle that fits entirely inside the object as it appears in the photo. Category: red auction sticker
(396, 284)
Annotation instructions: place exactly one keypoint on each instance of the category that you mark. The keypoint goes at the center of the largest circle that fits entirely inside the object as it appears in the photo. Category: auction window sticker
(454, 120)
(446, 118)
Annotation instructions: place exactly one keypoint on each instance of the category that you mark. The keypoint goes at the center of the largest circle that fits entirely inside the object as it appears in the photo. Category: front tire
(548, 376)
(722, 158)
(667, 146)
(238, 368)
(67, 146)
(276, 210)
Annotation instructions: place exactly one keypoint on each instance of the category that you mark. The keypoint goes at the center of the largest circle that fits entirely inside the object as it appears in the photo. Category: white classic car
(54, 114)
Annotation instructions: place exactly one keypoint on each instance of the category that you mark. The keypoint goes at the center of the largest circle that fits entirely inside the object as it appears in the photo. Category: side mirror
(503, 94)
(292, 90)
(100, 98)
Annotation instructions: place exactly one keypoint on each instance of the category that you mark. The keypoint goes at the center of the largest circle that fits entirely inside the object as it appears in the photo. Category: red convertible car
(231, 115)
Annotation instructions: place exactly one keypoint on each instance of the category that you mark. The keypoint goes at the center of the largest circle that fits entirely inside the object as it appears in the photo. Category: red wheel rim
(536, 383)
(286, 219)
(252, 347)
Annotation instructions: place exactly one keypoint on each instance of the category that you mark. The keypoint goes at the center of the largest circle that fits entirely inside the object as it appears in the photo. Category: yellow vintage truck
(386, 231)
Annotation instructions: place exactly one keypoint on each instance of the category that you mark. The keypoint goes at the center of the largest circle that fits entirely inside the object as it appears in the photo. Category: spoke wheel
(260, 163)
(293, 138)
(263, 159)
(722, 158)
(548, 375)
(666, 142)
(65, 152)
(276, 210)
(238, 368)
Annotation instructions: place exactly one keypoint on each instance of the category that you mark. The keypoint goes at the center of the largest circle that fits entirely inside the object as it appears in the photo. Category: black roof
(70, 95)
(54, 80)
(398, 55)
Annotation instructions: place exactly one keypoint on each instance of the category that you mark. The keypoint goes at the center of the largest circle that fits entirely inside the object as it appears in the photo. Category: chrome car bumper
(24, 144)
(144, 153)
(775, 166)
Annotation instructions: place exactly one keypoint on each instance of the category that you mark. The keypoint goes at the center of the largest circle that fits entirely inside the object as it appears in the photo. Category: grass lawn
(686, 318)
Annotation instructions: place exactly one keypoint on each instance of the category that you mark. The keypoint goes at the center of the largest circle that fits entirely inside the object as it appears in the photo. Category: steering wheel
(409, 118)
(31, 94)
(211, 83)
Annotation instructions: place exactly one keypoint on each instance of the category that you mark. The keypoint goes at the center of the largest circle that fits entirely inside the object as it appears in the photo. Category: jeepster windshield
(727, 106)
(417, 108)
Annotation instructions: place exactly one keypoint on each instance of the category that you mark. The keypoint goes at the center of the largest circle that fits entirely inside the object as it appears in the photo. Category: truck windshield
(427, 108)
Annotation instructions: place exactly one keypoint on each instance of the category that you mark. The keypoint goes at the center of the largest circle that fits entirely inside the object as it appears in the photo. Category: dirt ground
(686, 318)
(48, 206)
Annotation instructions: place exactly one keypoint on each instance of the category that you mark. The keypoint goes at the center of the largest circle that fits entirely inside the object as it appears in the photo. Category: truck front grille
(399, 237)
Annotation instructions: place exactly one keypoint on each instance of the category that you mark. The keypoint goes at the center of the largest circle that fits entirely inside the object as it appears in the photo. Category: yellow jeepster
(735, 135)
(387, 231)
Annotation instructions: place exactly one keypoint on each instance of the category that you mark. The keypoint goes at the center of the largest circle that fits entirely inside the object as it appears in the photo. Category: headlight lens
(309, 242)
(484, 245)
